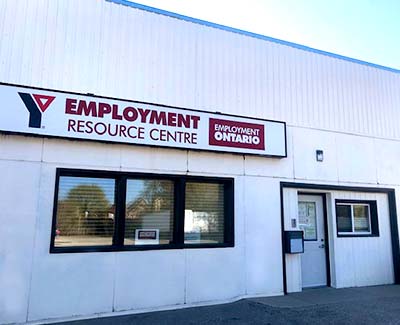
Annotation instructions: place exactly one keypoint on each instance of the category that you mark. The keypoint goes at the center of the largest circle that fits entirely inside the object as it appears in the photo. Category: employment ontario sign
(52, 113)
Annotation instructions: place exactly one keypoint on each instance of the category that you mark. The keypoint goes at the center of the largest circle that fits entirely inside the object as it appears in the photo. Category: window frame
(372, 218)
(120, 205)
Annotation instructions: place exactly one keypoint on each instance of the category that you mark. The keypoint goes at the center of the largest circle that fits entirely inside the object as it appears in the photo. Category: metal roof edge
(250, 34)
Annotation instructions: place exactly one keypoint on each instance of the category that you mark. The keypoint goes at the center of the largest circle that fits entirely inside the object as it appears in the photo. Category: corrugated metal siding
(364, 261)
(293, 261)
(108, 49)
(354, 261)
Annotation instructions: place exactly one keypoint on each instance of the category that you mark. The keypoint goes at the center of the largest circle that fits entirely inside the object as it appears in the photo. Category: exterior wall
(64, 285)
(108, 49)
(364, 261)
(293, 261)
(354, 261)
(99, 47)
(19, 183)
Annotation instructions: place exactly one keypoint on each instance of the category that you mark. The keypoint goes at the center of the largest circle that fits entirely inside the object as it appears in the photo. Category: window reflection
(204, 213)
(85, 212)
(149, 212)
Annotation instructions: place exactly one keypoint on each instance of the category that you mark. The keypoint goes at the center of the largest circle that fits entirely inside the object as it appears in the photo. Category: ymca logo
(36, 105)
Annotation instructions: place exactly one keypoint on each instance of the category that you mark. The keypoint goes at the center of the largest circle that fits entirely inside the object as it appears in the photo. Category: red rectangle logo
(236, 134)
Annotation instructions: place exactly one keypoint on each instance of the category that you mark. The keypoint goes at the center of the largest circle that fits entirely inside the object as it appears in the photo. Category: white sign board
(147, 237)
(69, 115)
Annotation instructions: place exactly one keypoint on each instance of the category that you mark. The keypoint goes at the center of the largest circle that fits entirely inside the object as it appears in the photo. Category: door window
(308, 220)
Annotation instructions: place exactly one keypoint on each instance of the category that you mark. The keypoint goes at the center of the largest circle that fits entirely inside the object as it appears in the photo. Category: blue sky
(367, 30)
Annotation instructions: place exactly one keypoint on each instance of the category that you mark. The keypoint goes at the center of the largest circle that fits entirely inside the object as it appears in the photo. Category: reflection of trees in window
(86, 202)
(156, 196)
(85, 211)
(150, 205)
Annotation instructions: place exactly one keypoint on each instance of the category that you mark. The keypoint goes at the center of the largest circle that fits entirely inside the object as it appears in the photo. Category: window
(112, 211)
(204, 213)
(149, 206)
(308, 220)
(85, 211)
(356, 218)
(344, 219)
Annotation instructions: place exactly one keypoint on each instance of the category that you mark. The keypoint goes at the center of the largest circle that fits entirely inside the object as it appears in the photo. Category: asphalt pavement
(367, 305)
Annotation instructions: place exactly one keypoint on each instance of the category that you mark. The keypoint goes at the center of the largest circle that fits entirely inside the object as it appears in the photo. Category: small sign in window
(147, 237)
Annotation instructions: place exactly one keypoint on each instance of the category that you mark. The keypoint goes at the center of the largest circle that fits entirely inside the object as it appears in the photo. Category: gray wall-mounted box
(294, 242)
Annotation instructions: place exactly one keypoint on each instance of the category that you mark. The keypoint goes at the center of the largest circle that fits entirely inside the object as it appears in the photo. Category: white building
(122, 201)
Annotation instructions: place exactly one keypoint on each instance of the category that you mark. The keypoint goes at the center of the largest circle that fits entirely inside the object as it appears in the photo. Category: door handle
(321, 246)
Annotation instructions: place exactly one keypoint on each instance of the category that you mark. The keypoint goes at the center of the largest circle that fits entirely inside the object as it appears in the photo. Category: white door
(313, 260)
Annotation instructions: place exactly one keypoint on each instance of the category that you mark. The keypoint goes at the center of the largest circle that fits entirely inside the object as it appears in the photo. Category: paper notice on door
(302, 213)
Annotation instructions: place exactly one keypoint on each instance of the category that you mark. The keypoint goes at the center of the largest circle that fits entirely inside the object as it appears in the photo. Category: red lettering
(184, 120)
(130, 114)
(70, 106)
(195, 120)
(115, 114)
(158, 118)
(104, 108)
(172, 119)
(87, 109)
(143, 114)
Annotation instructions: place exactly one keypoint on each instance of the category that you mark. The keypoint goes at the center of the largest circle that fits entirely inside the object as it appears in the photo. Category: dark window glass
(149, 212)
(204, 213)
(85, 211)
(343, 214)
(116, 211)
(361, 218)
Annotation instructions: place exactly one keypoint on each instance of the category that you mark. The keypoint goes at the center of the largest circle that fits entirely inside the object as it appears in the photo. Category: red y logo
(43, 101)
